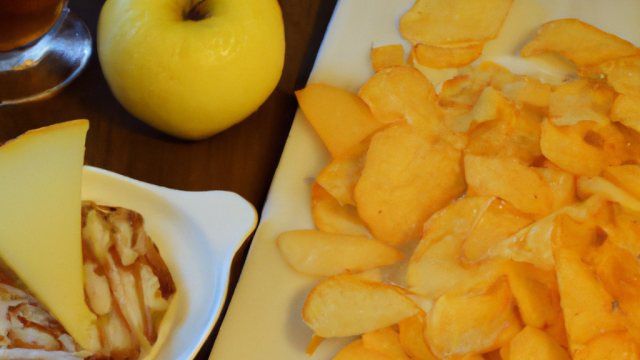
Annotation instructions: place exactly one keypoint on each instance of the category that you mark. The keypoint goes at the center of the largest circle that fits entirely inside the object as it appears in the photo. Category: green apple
(191, 68)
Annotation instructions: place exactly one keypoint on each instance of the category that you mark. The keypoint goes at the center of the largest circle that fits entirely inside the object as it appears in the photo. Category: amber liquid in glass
(22, 21)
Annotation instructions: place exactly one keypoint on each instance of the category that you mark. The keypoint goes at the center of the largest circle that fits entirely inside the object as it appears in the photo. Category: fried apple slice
(411, 336)
(385, 341)
(591, 186)
(612, 345)
(339, 178)
(621, 73)
(453, 22)
(535, 344)
(586, 304)
(339, 117)
(444, 57)
(477, 320)
(581, 43)
(626, 177)
(498, 221)
(355, 351)
(566, 147)
(406, 178)
(435, 265)
(346, 305)
(626, 110)
(386, 56)
(332, 217)
(510, 180)
(323, 254)
(583, 99)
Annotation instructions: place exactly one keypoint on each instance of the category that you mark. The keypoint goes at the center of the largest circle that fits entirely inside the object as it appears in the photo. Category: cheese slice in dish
(40, 221)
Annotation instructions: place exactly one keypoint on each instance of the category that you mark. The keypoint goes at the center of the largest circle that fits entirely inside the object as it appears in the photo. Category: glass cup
(43, 47)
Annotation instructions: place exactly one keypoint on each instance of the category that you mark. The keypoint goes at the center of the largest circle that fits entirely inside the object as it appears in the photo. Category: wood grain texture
(241, 159)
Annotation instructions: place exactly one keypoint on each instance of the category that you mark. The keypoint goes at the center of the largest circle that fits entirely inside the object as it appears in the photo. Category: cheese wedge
(40, 221)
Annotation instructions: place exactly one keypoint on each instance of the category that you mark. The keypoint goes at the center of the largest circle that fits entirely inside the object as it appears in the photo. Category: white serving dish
(198, 234)
(264, 318)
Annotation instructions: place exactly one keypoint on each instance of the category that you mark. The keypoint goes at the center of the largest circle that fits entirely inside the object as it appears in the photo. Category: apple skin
(191, 79)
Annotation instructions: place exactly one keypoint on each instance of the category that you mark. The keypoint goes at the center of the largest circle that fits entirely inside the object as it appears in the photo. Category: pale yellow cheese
(40, 221)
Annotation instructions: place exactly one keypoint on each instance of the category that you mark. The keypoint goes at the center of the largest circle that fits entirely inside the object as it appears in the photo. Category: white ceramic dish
(197, 233)
(264, 318)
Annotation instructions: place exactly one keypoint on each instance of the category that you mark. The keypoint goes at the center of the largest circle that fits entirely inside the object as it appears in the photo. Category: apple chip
(411, 335)
(385, 341)
(538, 299)
(618, 270)
(583, 44)
(623, 74)
(339, 178)
(535, 344)
(563, 185)
(345, 305)
(585, 148)
(444, 57)
(533, 244)
(498, 221)
(404, 93)
(478, 320)
(626, 177)
(611, 345)
(355, 351)
(510, 180)
(435, 267)
(626, 110)
(332, 217)
(583, 99)
(491, 105)
(340, 118)
(323, 254)
(598, 186)
(514, 136)
(406, 178)
(586, 304)
(453, 22)
(397, 93)
(386, 56)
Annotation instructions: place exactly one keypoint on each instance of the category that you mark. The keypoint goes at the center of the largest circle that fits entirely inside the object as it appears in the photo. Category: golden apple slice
(476, 320)
(406, 178)
(621, 73)
(385, 341)
(510, 180)
(355, 351)
(346, 305)
(340, 177)
(626, 177)
(626, 110)
(411, 335)
(535, 344)
(441, 57)
(583, 99)
(612, 345)
(456, 22)
(581, 43)
(340, 118)
(332, 217)
(323, 254)
(386, 56)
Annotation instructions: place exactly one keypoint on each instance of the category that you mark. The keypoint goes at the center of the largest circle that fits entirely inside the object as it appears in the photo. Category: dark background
(241, 159)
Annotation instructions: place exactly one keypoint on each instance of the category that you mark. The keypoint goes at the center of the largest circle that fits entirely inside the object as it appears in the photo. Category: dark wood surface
(241, 159)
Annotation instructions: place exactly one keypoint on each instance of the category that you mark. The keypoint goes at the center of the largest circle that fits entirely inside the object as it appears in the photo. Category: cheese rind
(40, 221)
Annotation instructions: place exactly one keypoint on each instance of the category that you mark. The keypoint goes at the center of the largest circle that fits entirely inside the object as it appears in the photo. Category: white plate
(197, 233)
(264, 318)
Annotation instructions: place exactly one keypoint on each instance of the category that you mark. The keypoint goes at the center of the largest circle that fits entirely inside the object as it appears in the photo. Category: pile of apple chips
(516, 203)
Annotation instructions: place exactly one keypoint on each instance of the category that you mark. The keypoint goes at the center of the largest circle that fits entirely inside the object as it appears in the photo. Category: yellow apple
(191, 68)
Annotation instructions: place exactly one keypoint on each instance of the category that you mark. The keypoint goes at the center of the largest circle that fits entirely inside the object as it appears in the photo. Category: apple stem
(194, 13)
